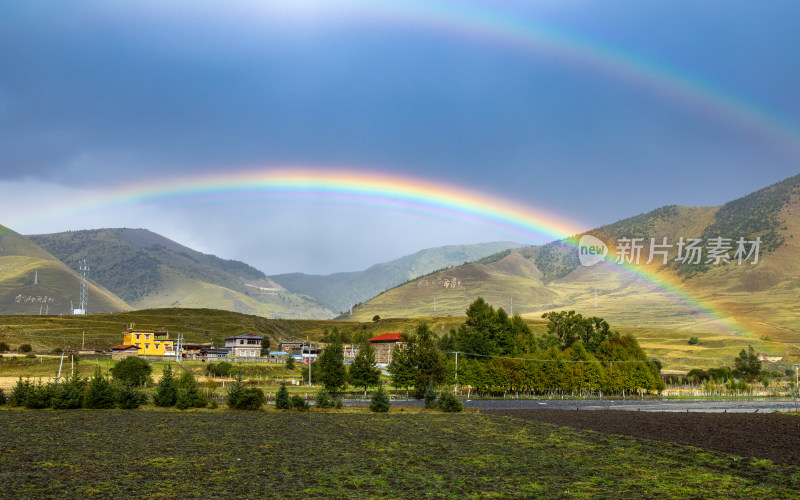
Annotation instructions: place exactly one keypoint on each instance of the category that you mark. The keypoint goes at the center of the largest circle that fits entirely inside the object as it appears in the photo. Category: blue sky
(97, 95)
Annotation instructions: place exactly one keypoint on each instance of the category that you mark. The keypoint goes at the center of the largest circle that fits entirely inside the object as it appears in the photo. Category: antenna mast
(84, 267)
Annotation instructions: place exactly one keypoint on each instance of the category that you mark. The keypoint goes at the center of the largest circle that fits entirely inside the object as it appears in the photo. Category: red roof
(386, 337)
(123, 347)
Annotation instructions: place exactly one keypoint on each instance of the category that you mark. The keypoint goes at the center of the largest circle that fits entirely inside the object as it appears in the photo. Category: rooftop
(387, 337)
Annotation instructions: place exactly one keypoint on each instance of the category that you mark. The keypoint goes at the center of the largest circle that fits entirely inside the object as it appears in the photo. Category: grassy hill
(31, 279)
(763, 299)
(148, 271)
(339, 291)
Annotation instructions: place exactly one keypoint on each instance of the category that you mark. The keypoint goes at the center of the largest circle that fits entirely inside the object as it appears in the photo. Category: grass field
(202, 454)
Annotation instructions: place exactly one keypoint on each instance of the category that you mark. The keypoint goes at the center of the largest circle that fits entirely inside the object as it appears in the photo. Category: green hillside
(33, 281)
(148, 270)
(341, 290)
(756, 301)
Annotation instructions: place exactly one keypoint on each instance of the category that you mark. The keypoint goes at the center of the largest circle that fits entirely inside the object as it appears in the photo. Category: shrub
(25, 348)
(299, 403)
(2, 397)
(133, 371)
(213, 404)
(694, 341)
(449, 402)
(337, 403)
(289, 363)
(130, 398)
(189, 395)
(100, 393)
(430, 397)
(380, 401)
(20, 391)
(30, 356)
(221, 369)
(282, 401)
(68, 395)
(39, 396)
(167, 390)
(251, 398)
(4, 347)
(323, 399)
(58, 350)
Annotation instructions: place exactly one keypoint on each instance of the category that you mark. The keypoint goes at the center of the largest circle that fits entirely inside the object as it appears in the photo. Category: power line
(547, 360)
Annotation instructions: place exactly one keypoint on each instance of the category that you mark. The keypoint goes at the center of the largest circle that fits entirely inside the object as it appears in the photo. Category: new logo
(591, 250)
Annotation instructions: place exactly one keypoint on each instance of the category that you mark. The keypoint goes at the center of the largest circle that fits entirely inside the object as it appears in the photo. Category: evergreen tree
(100, 393)
(364, 372)
(189, 395)
(299, 403)
(380, 401)
(265, 347)
(129, 397)
(235, 391)
(251, 399)
(2, 397)
(20, 391)
(401, 368)
(332, 372)
(289, 363)
(747, 365)
(449, 402)
(429, 362)
(282, 400)
(167, 390)
(68, 395)
(323, 399)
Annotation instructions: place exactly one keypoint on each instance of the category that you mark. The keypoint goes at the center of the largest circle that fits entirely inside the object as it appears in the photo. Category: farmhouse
(244, 346)
(383, 346)
(149, 342)
(123, 351)
(293, 347)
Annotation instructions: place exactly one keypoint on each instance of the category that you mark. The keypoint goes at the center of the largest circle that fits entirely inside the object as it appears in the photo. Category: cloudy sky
(584, 111)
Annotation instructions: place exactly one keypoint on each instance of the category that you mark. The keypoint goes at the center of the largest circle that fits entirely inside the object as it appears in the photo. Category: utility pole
(796, 367)
(595, 297)
(512, 311)
(455, 388)
(434, 304)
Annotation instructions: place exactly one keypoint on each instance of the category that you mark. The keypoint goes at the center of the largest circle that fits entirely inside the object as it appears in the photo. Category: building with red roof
(384, 344)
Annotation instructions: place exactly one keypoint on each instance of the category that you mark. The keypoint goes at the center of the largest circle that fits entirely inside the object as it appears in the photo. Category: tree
(129, 397)
(363, 372)
(189, 395)
(282, 401)
(401, 368)
(429, 362)
(133, 371)
(323, 399)
(747, 365)
(100, 394)
(19, 393)
(25, 348)
(289, 363)
(4, 347)
(2, 397)
(68, 395)
(376, 318)
(235, 391)
(167, 390)
(299, 403)
(380, 401)
(332, 372)
(265, 347)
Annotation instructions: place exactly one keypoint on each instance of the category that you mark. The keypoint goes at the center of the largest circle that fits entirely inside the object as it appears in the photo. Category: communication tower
(84, 268)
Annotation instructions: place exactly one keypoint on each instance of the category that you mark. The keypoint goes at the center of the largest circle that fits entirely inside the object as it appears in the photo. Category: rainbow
(375, 189)
(525, 34)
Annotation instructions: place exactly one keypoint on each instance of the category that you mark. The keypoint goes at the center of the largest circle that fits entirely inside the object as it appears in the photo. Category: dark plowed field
(772, 436)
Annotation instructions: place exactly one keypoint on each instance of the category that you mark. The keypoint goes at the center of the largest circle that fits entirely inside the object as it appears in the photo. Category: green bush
(251, 399)
(2, 397)
(25, 348)
(299, 403)
(68, 395)
(380, 401)
(167, 390)
(100, 393)
(289, 363)
(235, 391)
(449, 402)
(4, 347)
(221, 369)
(282, 401)
(430, 397)
(20, 391)
(323, 399)
(133, 371)
(694, 341)
(337, 403)
(130, 398)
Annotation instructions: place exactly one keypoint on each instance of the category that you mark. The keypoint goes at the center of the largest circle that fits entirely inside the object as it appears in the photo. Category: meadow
(354, 454)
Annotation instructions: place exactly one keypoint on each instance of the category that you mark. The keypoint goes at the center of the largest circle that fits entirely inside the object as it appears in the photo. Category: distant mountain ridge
(339, 291)
(149, 270)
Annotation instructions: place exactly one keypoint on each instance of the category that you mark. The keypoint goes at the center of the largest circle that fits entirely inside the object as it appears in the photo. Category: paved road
(703, 405)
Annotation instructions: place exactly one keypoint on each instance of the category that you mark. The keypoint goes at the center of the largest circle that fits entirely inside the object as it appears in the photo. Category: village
(244, 348)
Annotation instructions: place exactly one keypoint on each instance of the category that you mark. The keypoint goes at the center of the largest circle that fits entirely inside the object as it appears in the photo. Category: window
(137, 336)
(147, 346)
(241, 342)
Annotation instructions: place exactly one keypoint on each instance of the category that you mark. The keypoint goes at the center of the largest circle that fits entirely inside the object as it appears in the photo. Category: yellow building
(149, 343)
